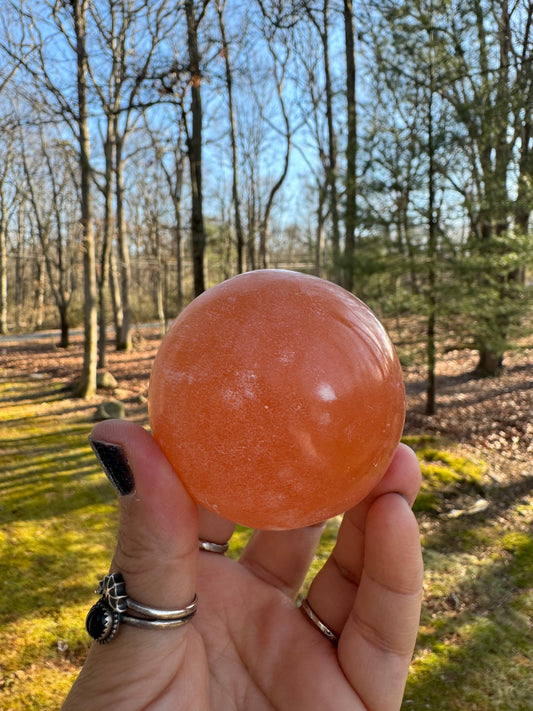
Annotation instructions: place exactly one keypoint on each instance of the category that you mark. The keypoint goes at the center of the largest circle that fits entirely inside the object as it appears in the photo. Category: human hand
(249, 648)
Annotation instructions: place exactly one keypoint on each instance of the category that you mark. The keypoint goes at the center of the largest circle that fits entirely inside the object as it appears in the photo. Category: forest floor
(492, 415)
(475, 513)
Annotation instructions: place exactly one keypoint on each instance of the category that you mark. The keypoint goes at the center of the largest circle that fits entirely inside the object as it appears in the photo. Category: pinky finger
(378, 638)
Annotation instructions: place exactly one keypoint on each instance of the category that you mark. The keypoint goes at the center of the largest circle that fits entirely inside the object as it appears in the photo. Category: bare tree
(194, 13)
(87, 385)
(350, 208)
(167, 144)
(7, 201)
(311, 105)
(321, 20)
(48, 185)
(280, 59)
(239, 233)
(129, 35)
(65, 97)
(104, 280)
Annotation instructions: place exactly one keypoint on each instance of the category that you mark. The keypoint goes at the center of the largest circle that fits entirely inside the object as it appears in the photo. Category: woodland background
(149, 149)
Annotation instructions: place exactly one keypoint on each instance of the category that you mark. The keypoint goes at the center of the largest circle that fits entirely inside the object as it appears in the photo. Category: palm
(262, 653)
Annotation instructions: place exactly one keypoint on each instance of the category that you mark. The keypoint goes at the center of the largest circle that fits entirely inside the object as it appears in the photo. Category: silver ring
(147, 623)
(156, 614)
(212, 547)
(315, 619)
(104, 618)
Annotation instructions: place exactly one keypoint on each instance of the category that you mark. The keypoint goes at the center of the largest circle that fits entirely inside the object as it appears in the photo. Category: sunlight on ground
(58, 517)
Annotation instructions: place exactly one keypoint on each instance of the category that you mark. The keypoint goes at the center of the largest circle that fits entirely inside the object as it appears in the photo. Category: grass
(57, 520)
(475, 647)
(57, 526)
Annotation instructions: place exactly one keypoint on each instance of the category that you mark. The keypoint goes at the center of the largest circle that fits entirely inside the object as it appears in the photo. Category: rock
(38, 376)
(105, 380)
(478, 507)
(110, 410)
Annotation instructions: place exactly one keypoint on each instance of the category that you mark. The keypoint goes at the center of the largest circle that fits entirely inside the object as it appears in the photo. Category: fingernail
(115, 465)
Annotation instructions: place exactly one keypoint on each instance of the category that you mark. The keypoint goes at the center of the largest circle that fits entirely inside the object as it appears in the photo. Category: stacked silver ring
(105, 616)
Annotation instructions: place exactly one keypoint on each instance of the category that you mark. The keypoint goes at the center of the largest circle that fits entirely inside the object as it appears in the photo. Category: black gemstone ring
(101, 622)
(105, 616)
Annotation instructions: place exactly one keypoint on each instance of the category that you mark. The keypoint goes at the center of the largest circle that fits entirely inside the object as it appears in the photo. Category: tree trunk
(38, 302)
(179, 256)
(350, 215)
(3, 272)
(265, 220)
(239, 234)
(124, 335)
(524, 198)
(331, 173)
(114, 289)
(19, 266)
(64, 339)
(176, 191)
(107, 241)
(159, 278)
(432, 253)
(496, 154)
(490, 362)
(320, 222)
(87, 384)
(252, 223)
(194, 146)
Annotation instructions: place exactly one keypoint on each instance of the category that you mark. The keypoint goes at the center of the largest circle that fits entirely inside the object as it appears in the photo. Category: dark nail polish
(115, 465)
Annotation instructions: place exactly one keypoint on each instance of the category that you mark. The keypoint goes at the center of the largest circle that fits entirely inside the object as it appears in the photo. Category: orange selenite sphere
(278, 398)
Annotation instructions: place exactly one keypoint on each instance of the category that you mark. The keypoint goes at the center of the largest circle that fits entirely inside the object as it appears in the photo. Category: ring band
(156, 614)
(147, 623)
(104, 618)
(212, 547)
(306, 608)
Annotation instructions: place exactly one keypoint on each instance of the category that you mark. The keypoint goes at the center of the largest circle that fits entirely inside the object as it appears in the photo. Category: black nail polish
(115, 465)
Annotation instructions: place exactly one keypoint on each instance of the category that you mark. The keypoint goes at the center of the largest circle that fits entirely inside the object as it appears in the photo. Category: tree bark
(331, 173)
(350, 215)
(495, 151)
(87, 384)
(239, 233)
(124, 334)
(107, 241)
(432, 254)
(176, 203)
(194, 149)
(3, 269)
(55, 264)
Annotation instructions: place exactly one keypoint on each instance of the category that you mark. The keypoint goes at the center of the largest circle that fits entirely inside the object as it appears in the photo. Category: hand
(249, 648)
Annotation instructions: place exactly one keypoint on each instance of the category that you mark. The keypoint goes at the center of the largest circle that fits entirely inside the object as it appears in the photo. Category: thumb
(157, 553)
(157, 546)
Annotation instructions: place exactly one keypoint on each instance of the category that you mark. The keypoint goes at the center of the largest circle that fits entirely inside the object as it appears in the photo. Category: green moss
(58, 518)
(445, 474)
(426, 501)
(520, 545)
(487, 661)
(418, 441)
(444, 467)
